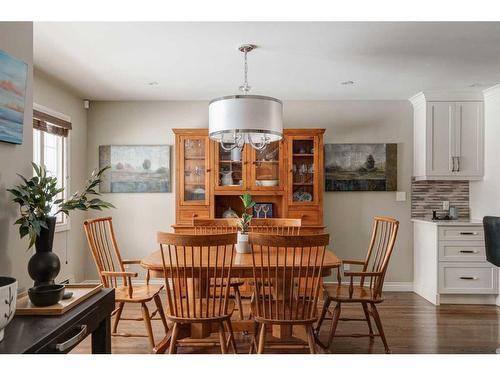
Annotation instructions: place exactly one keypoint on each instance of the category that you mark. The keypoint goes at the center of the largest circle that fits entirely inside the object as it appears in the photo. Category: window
(50, 148)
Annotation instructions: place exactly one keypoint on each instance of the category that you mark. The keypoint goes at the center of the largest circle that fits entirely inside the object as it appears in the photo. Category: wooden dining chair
(197, 273)
(219, 226)
(368, 292)
(287, 272)
(279, 226)
(111, 269)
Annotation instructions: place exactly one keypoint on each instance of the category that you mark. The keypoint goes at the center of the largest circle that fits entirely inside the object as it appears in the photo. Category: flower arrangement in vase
(244, 223)
(39, 206)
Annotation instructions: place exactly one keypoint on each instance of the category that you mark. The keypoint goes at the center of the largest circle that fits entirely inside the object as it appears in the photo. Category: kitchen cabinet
(450, 263)
(448, 139)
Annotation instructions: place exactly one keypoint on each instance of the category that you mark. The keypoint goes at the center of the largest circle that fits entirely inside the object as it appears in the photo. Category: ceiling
(294, 61)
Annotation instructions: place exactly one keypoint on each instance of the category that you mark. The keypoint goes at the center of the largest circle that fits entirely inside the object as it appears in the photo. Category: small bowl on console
(46, 295)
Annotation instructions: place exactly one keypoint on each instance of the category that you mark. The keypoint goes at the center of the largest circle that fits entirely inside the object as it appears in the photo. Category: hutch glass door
(194, 178)
(303, 173)
(266, 166)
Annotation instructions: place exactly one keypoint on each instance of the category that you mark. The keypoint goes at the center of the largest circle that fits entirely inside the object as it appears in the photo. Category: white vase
(8, 296)
(242, 247)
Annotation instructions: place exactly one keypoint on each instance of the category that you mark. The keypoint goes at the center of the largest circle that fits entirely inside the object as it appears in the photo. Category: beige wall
(16, 38)
(69, 245)
(347, 215)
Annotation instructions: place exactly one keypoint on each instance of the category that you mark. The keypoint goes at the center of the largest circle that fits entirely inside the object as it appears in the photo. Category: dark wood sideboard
(60, 334)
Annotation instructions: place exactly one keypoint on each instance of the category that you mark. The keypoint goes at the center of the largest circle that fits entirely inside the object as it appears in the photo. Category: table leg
(101, 337)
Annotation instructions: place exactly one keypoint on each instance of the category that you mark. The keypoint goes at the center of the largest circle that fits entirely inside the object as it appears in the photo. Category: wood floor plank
(411, 324)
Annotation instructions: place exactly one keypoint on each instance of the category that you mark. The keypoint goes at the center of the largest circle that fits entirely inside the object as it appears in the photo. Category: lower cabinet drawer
(186, 216)
(467, 278)
(462, 251)
(308, 216)
(453, 233)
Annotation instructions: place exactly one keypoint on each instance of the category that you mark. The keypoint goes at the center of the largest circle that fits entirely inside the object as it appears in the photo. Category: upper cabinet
(448, 138)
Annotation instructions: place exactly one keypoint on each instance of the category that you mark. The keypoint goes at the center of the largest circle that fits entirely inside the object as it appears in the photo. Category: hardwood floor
(411, 324)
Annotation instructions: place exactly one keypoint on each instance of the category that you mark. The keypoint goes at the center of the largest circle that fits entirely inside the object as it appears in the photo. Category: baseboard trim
(389, 286)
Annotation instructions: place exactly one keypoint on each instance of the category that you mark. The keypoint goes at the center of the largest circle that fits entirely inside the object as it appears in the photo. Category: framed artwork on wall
(13, 78)
(136, 169)
(361, 167)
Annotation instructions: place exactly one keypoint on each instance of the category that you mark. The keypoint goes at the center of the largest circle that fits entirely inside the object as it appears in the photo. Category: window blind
(50, 124)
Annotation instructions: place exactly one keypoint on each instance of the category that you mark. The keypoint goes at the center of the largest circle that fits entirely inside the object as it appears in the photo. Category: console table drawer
(472, 233)
(462, 251)
(467, 278)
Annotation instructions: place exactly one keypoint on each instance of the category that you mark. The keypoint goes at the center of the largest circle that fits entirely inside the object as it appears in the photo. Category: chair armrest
(131, 261)
(353, 261)
(119, 274)
(127, 278)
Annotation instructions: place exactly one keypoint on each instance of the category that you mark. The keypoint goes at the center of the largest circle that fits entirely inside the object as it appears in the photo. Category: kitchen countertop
(459, 222)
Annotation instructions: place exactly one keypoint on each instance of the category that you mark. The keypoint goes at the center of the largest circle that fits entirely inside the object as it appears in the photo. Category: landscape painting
(135, 169)
(361, 167)
(13, 74)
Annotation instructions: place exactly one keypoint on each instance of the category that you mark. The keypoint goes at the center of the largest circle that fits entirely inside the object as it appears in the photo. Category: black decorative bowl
(46, 295)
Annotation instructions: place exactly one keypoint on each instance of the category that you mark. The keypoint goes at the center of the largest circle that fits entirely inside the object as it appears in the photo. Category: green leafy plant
(37, 197)
(246, 218)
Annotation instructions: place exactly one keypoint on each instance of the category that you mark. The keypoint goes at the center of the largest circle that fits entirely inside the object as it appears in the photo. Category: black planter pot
(44, 265)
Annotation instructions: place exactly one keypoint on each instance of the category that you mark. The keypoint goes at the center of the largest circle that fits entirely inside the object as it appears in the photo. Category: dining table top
(242, 263)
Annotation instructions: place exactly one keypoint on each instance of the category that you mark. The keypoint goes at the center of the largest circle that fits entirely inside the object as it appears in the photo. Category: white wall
(16, 38)
(485, 194)
(347, 215)
(70, 246)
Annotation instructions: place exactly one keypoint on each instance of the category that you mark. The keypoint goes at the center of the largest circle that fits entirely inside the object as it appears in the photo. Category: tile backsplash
(427, 196)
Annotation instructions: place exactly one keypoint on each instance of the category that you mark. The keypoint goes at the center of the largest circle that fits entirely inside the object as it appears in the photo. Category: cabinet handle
(469, 251)
(468, 278)
(468, 233)
(62, 347)
(458, 163)
(452, 164)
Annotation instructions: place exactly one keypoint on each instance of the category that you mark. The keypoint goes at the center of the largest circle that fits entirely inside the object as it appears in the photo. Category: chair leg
(262, 339)
(326, 305)
(232, 340)
(222, 338)
(237, 296)
(173, 340)
(368, 319)
(253, 344)
(118, 316)
(335, 322)
(310, 339)
(378, 322)
(147, 322)
(160, 311)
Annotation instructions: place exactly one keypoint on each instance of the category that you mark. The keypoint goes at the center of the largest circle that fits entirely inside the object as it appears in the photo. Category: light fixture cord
(245, 88)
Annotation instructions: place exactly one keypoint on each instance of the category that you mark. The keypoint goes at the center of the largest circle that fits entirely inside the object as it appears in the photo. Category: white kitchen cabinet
(450, 263)
(448, 139)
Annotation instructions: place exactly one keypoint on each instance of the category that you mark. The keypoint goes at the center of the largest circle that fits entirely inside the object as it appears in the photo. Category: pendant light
(238, 119)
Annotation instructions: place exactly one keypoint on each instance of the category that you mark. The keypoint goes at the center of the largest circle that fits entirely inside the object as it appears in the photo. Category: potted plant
(39, 206)
(243, 223)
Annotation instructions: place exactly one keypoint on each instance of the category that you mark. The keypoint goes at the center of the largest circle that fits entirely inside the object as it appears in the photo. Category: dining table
(242, 267)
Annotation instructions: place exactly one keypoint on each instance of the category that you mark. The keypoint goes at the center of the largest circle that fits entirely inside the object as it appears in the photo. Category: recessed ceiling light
(153, 83)
(347, 83)
(476, 84)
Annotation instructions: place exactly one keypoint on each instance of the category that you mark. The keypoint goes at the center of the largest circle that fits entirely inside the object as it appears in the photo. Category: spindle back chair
(197, 275)
(368, 291)
(287, 274)
(111, 269)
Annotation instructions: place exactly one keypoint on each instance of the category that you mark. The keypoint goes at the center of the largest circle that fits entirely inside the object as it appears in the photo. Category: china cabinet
(287, 176)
